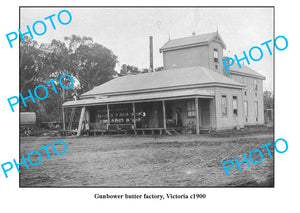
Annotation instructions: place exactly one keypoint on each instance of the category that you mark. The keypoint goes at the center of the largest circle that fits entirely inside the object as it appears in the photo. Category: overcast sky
(126, 31)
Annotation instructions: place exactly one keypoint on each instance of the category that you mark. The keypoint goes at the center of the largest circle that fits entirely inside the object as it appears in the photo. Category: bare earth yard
(141, 161)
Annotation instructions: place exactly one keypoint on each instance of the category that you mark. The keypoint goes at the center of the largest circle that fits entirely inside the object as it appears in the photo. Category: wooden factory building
(193, 94)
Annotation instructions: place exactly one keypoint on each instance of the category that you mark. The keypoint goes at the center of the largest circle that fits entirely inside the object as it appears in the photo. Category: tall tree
(268, 100)
(30, 65)
(90, 64)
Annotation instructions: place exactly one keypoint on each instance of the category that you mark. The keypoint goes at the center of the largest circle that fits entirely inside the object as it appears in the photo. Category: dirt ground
(154, 161)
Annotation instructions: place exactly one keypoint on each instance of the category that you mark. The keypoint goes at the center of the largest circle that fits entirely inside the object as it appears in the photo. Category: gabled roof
(196, 40)
(246, 71)
(189, 77)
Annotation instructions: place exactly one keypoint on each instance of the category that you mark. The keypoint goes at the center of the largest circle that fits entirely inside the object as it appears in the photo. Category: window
(256, 94)
(191, 108)
(224, 105)
(256, 108)
(216, 56)
(235, 105)
(245, 93)
(216, 66)
(246, 109)
(255, 85)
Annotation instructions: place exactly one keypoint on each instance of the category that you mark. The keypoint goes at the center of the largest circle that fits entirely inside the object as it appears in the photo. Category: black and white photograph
(153, 106)
(146, 97)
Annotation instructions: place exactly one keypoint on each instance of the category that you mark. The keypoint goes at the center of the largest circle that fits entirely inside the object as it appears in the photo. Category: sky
(126, 31)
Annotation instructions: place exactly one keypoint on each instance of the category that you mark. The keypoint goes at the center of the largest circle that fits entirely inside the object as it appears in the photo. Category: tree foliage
(268, 100)
(89, 63)
(129, 69)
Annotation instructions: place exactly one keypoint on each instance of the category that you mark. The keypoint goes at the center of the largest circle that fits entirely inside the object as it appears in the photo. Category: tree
(30, 65)
(268, 100)
(269, 107)
(90, 64)
(129, 69)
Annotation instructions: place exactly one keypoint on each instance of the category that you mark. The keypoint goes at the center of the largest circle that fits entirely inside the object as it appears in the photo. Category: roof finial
(169, 37)
(193, 33)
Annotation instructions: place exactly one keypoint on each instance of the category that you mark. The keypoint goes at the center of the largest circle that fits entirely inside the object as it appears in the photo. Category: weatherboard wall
(186, 57)
(251, 96)
(230, 121)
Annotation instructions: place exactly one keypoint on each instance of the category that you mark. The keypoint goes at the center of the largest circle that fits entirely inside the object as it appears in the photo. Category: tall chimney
(151, 52)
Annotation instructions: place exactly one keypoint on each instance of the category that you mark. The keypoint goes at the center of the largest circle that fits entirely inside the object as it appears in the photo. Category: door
(204, 113)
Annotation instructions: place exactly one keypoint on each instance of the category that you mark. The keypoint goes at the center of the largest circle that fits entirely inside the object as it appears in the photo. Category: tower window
(216, 56)
(255, 85)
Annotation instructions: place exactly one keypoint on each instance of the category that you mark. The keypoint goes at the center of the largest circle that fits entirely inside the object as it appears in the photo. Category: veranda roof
(142, 97)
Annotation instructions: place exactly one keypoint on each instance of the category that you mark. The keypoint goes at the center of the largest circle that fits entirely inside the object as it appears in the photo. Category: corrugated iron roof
(192, 40)
(200, 92)
(245, 70)
(163, 80)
